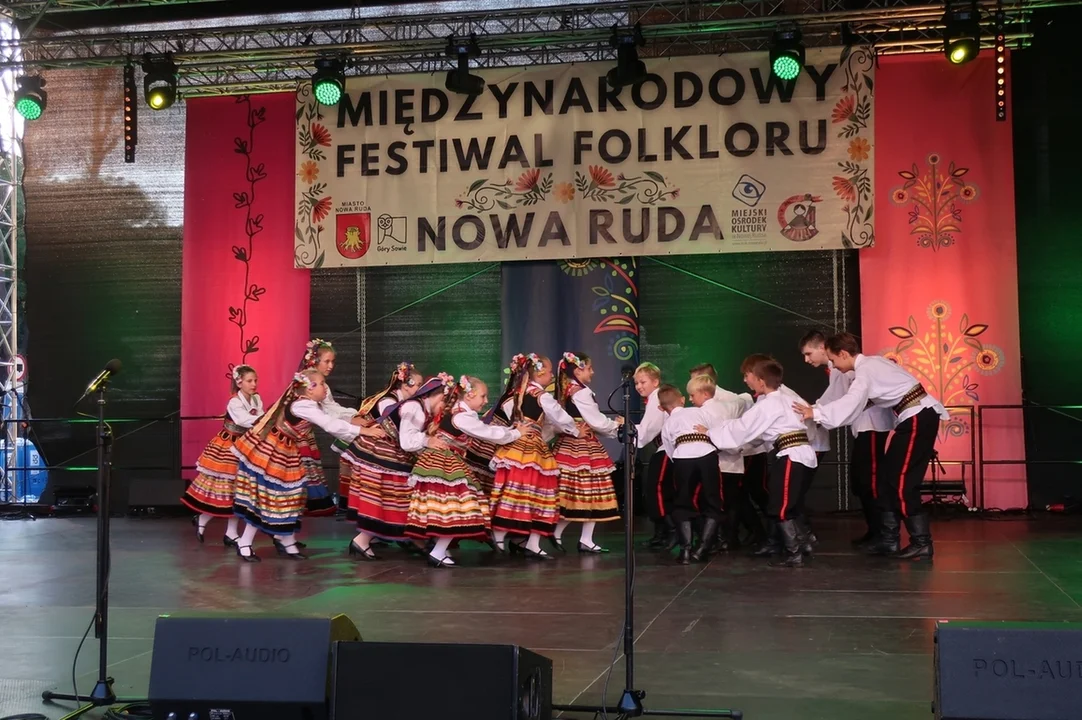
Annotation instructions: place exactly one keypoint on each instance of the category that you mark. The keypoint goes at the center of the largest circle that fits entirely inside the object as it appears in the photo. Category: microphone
(627, 372)
(111, 368)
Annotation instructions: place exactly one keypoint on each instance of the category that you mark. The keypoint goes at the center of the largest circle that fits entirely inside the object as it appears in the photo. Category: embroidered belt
(911, 399)
(234, 428)
(457, 443)
(692, 437)
(287, 431)
(791, 440)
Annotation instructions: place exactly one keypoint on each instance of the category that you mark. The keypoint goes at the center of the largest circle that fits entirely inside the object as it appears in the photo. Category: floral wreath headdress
(312, 350)
(404, 373)
(569, 359)
(304, 381)
(449, 384)
(535, 361)
(465, 384)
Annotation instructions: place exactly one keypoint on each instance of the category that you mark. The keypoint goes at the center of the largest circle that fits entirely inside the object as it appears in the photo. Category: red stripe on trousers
(905, 466)
(785, 487)
(695, 499)
(875, 485)
(661, 479)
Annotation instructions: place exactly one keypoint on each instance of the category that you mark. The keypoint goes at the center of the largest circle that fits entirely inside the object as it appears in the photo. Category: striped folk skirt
(211, 491)
(446, 502)
(525, 490)
(319, 503)
(379, 491)
(271, 487)
(586, 491)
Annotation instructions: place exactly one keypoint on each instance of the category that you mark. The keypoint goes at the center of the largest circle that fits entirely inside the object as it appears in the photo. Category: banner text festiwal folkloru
(708, 154)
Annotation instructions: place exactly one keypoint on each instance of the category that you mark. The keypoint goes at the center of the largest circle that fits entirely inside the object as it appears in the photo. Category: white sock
(204, 519)
(587, 538)
(363, 540)
(289, 542)
(560, 527)
(534, 543)
(498, 536)
(244, 544)
(231, 527)
(439, 552)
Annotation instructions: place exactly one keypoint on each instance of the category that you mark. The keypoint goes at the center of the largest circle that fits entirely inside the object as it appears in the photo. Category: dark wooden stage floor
(848, 637)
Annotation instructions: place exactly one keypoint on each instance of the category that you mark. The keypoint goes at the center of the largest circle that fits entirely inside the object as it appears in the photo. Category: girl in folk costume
(211, 493)
(586, 492)
(379, 492)
(319, 355)
(525, 500)
(271, 486)
(479, 452)
(404, 382)
(448, 504)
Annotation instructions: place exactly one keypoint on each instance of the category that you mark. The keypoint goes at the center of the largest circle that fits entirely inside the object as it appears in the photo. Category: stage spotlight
(961, 34)
(131, 114)
(629, 69)
(1001, 67)
(459, 80)
(787, 53)
(329, 81)
(159, 81)
(30, 96)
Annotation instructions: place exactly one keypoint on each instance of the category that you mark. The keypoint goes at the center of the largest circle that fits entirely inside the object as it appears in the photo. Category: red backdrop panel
(939, 291)
(243, 301)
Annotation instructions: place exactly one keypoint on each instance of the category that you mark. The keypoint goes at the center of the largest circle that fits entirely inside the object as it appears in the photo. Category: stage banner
(939, 291)
(242, 300)
(709, 154)
(589, 306)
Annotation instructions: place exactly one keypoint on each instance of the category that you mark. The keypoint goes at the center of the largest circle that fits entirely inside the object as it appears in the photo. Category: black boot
(672, 538)
(805, 536)
(870, 519)
(772, 544)
(888, 536)
(750, 519)
(791, 557)
(729, 531)
(660, 537)
(710, 532)
(683, 530)
(920, 539)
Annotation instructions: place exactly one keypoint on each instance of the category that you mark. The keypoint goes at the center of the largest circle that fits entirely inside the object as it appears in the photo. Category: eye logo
(748, 190)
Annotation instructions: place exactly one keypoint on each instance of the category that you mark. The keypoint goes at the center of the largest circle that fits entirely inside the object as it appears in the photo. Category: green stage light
(160, 81)
(329, 81)
(787, 53)
(961, 34)
(30, 97)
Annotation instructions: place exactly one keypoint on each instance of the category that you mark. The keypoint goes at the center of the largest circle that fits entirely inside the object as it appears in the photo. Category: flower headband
(312, 350)
(236, 373)
(571, 358)
(305, 380)
(535, 360)
(404, 373)
(448, 382)
(465, 384)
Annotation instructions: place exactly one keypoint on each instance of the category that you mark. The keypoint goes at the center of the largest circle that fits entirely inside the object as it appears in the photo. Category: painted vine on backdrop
(315, 205)
(254, 173)
(936, 215)
(617, 300)
(946, 363)
(854, 113)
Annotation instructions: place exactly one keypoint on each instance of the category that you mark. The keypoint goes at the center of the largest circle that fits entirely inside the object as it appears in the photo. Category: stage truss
(256, 58)
(10, 189)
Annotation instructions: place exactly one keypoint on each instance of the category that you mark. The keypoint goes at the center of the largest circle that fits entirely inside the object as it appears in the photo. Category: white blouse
(311, 411)
(244, 412)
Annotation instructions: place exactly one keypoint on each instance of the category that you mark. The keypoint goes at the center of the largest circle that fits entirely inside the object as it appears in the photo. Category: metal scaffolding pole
(10, 190)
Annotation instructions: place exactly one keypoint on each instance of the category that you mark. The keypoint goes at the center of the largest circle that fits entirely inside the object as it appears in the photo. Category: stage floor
(846, 637)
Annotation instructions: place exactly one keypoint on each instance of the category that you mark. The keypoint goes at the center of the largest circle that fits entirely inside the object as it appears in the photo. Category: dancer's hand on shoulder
(702, 429)
(373, 431)
(803, 411)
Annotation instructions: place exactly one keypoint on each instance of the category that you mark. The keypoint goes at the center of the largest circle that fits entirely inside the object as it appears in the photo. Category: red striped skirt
(586, 491)
(446, 501)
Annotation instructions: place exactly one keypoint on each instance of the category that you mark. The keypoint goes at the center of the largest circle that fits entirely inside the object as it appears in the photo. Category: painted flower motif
(844, 109)
(309, 172)
(989, 359)
(968, 193)
(528, 180)
(321, 209)
(565, 192)
(601, 176)
(933, 159)
(900, 196)
(859, 148)
(939, 310)
(844, 189)
(321, 135)
(578, 267)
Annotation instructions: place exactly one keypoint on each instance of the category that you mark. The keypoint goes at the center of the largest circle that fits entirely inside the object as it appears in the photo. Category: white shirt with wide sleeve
(311, 411)
(653, 419)
(765, 421)
(556, 418)
(332, 408)
(722, 395)
(817, 436)
(881, 382)
(730, 461)
(682, 421)
(411, 426)
(244, 412)
(587, 406)
(470, 423)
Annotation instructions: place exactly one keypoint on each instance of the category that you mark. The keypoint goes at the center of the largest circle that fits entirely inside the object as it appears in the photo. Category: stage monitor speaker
(1008, 671)
(244, 668)
(407, 681)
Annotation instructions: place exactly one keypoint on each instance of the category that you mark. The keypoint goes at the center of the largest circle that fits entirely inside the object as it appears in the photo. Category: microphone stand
(630, 704)
(102, 695)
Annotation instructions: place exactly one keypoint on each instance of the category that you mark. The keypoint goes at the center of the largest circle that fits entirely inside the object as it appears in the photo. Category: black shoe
(228, 541)
(683, 531)
(537, 555)
(250, 557)
(710, 532)
(771, 545)
(660, 537)
(920, 539)
(790, 540)
(199, 533)
(558, 543)
(888, 536)
(594, 549)
(446, 562)
(360, 553)
(283, 550)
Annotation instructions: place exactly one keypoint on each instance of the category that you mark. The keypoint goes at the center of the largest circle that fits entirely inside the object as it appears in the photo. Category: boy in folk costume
(211, 492)
(526, 487)
(695, 473)
(448, 503)
(379, 495)
(870, 433)
(657, 487)
(586, 492)
(917, 414)
(320, 355)
(768, 422)
(271, 487)
(479, 452)
(737, 507)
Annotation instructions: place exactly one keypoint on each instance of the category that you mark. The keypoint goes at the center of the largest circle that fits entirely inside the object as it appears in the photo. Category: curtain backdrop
(243, 302)
(939, 291)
